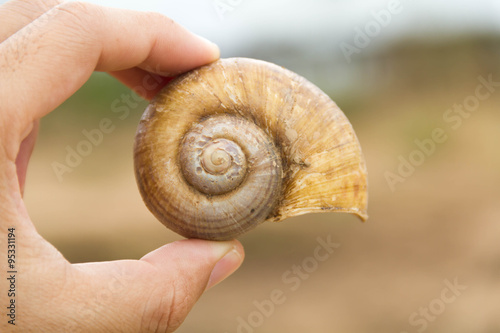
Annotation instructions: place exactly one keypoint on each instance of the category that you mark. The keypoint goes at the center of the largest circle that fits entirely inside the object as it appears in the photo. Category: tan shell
(305, 157)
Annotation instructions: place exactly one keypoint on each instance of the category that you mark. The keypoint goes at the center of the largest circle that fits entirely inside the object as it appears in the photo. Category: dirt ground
(427, 260)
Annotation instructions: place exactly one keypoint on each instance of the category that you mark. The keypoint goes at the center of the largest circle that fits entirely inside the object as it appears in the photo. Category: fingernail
(215, 49)
(225, 267)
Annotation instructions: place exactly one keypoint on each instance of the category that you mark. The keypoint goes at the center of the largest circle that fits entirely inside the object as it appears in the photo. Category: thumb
(185, 270)
(159, 290)
(198, 257)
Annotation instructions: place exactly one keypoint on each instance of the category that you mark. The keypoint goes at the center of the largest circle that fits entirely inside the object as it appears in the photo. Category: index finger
(48, 60)
(15, 14)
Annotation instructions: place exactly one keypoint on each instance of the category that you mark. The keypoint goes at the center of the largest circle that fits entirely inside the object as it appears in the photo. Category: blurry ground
(441, 224)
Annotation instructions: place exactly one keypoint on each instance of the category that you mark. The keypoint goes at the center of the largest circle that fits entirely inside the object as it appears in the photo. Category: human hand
(47, 51)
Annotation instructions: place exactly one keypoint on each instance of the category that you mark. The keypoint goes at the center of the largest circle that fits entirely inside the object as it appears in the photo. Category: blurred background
(428, 258)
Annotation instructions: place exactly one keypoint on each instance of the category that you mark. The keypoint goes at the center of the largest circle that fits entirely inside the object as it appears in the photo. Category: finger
(196, 264)
(24, 154)
(66, 44)
(16, 14)
(156, 293)
(48, 60)
(229, 257)
(143, 83)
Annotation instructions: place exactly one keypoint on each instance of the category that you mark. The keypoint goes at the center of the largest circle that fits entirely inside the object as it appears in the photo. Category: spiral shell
(240, 141)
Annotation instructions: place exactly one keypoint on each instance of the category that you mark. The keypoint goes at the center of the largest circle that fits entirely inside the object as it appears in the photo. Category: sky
(234, 23)
(237, 21)
(307, 36)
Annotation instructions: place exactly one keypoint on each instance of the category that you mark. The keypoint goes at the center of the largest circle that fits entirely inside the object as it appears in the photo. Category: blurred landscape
(440, 225)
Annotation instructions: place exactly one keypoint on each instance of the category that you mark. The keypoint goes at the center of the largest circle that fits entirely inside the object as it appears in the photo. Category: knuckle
(180, 306)
(76, 8)
(166, 309)
(69, 18)
(45, 5)
(154, 16)
(79, 15)
(80, 23)
(158, 19)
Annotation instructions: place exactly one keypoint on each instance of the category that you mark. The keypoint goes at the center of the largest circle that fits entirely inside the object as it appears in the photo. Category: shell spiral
(240, 141)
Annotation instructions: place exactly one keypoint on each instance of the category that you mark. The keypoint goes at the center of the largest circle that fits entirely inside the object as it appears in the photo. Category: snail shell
(240, 141)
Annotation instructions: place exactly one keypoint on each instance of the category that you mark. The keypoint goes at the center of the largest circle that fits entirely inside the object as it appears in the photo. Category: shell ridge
(315, 161)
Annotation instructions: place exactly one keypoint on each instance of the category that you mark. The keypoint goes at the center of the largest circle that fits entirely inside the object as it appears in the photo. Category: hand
(47, 51)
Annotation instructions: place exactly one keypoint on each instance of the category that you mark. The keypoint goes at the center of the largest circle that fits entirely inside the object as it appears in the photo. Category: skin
(48, 50)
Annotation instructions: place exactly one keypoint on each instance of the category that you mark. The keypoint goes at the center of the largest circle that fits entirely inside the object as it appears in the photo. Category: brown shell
(305, 142)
